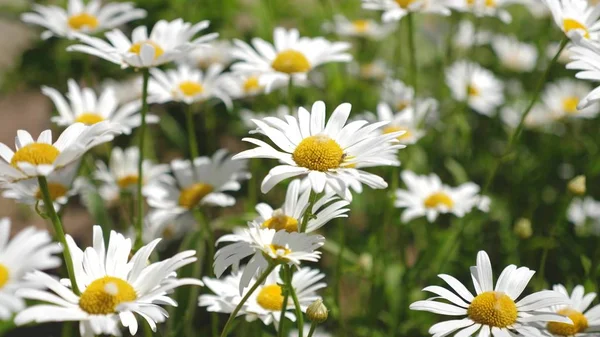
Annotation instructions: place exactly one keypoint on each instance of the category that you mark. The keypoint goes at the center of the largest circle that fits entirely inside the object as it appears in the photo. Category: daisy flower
(168, 41)
(562, 99)
(575, 15)
(328, 153)
(482, 8)
(584, 321)
(60, 184)
(515, 55)
(83, 18)
(466, 36)
(266, 246)
(243, 85)
(125, 90)
(41, 157)
(478, 86)
(394, 10)
(290, 56)
(584, 57)
(585, 215)
(565, 54)
(397, 94)
(317, 333)
(113, 287)
(407, 120)
(365, 28)
(31, 249)
(536, 7)
(538, 117)
(267, 301)
(217, 52)
(248, 115)
(493, 310)
(376, 70)
(81, 105)
(427, 196)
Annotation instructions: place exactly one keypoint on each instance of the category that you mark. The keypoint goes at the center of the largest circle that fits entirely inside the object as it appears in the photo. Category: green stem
(192, 141)
(237, 309)
(193, 294)
(58, 229)
(313, 327)
(308, 212)
(140, 218)
(413, 54)
(292, 291)
(290, 95)
(554, 227)
(286, 294)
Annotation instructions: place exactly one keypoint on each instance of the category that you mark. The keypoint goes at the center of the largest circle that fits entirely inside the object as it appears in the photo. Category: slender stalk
(562, 209)
(237, 309)
(58, 229)
(308, 212)
(286, 294)
(193, 294)
(290, 95)
(413, 54)
(313, 327)
(292, 291)
(192, 141)
(142, 135)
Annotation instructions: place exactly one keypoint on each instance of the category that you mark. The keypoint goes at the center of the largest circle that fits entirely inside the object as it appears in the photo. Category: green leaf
(586, 263)
(173, 131)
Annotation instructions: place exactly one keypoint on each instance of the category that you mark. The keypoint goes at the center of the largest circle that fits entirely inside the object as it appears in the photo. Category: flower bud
(523, 228)
(577, 185)
(317, 312)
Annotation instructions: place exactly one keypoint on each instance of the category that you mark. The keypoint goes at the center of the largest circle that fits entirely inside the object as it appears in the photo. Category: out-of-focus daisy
(217, 52)
(60, 184)
(187, 85)
(538, 116)
(247, 115)
(407, 120)
(267, 301)
(290, 216)
(366, 28)
(515, 55)
(289, 56)
(476, 85)
(83, 18)
(328, 153)
(584, 321)
(584, 57)
(536, 7)
(427, 196)
(167, 42)
(243, 85)
(397, 94)
(81, 105)
(493, 310)
(317, 333)
(31, 249)
(41, 157)
(466, 36)
(394, 10)
(481, 8)
(126, 90)
(565, 54)
(113, 287)
(575, 15)
(585, 215)
(562, 99)
(376, 70)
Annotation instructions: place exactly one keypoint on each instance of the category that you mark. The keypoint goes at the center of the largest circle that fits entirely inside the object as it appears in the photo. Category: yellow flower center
(270, 297)
(103, 295)
(190, 88)
(360, 26)
(404, 3)
(56, 191)
(3, 275)
(472, 90)
(35, 154)
(251, 84)
(281, 221)
(127, 181)
(89, 118)
(82, 20)
(570, 24)
(291, 61)
(318, 153)
(493, 308)
(279, 249)
(402, 105)
(192, 195)
(438, 199)
(569, 104)
(580, 323)
(394, 128)
(490, 3)
(136, 48)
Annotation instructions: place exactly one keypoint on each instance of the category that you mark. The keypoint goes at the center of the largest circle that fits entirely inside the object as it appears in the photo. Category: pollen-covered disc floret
(575, 16)
(270, 297)
(494, 309)
(103, 295)
(580, 323)
(318, 153)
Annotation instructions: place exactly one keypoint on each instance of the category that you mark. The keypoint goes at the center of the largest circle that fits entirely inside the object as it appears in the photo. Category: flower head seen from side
(247, 115)
(41, 157)
(476, 85)
(397, 94)
(538, 118)
(364, 28)
(394, 10)
(267, 301)
(289, 56)
(584, 321)
(81, 105)
(242, 85)
(168, 41)
(493, 310)
(467, 36)
(584, 54)
(216, 52)
(79, 17)
(575, 16)
(30, 249)
(584, 213)
(407, 120)
(562, 99)
(514, 55)
(113, 287)
(483, 8)
(427, 196)
(188, 85)
(329, 153)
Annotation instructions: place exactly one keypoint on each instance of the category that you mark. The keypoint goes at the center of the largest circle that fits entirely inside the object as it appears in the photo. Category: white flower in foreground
(562, 99)
(575, 15)
(289, 56)
(81, 105)
(478, 86)
(113, 287)
(584, 321)
(266, 246)
(483, 8)
(466, 35)
(427, 196)
(187, 85)
(30, 249)
(79, 17)
(515, 55)
(493, 310)
(330, 154)
(585, 215)
(267, 301)
(406, 120)
(317, 333)
(359, 28)
(216, 52)
(585, 57)
(41, 157)
(168, 41)
(394, 10)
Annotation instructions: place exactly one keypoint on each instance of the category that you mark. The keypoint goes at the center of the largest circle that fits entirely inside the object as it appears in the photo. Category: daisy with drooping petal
(42, 157)
(330, 154)
(267, 301)
(562, 99)
(113, 287)
(31, 249)
(493, 310)
(482, 8)
(359, 28)
(584, 321)
(466, 36)
(478, 86)
(515, 55)
(585, 215)
(83, 18)
(168, 41)
(289, 56)
(575, 16)
(217, 52)
(427, 196)
(584, 54)
(394, 10)
(84, 107)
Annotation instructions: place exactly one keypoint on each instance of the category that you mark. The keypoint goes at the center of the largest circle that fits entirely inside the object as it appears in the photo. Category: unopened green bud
(523, 228)
(317, 312)
(577, 185)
